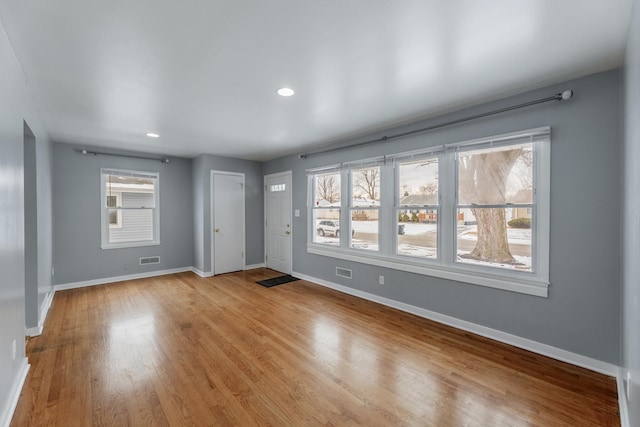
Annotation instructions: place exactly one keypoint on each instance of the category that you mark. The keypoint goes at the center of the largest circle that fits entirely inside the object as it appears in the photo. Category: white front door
(278, 222)
(227, 199)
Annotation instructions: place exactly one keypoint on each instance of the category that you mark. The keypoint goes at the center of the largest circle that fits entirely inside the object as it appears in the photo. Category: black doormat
(277, 281)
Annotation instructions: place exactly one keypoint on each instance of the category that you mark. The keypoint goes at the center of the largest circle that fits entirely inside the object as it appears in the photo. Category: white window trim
(531, 283)
(104, 211)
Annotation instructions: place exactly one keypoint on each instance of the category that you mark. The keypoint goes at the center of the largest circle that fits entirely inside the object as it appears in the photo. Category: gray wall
(30, 229)
(199, 181)
(254, 210)
(631, 218)
(38, 225)
(16, 108)
(581, 314)
(76, 209)
(44, 181)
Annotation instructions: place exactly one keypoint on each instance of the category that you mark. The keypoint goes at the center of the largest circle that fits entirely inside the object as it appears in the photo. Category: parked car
(330, 227)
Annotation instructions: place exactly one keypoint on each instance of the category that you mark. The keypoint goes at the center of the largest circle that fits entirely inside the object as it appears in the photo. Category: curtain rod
(99, 153)
(567, 94)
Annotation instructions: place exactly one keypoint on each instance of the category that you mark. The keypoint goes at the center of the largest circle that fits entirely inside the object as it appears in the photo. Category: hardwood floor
(180, 350)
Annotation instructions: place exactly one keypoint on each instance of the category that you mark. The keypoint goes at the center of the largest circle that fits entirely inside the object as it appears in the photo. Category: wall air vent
(343, 272)
(150, 260)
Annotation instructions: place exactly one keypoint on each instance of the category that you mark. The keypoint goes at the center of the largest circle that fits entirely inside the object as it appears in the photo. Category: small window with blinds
(129, 206)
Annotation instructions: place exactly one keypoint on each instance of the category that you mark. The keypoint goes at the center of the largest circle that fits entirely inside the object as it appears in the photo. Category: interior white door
(278, 222)
(228, 222)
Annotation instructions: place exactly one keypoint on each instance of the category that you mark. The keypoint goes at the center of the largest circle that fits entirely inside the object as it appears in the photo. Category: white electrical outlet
(14, 349)
(381, 279)
(629, 386)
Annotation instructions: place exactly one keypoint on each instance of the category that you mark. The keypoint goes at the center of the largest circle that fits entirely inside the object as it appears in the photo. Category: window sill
(521, 285)
(129, 245)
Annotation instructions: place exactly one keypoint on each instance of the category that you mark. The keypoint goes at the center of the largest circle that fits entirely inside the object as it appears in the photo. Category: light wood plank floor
(180, 350)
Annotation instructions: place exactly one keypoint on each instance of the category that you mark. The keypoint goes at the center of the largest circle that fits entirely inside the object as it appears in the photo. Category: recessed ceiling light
(153, 135)
(285, 91)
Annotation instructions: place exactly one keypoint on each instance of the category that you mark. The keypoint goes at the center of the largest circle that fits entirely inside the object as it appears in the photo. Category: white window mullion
(104, 211)
(345, 208)
(156, 212)
(447, 216)
(542, 206)
(311, 229)
(388, 235)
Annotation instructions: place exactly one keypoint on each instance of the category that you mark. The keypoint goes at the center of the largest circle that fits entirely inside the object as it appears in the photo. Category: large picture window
(474, 211)
(129, 208)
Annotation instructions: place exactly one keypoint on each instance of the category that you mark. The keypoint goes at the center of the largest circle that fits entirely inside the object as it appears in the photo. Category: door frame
(212, 218)
(266, 234)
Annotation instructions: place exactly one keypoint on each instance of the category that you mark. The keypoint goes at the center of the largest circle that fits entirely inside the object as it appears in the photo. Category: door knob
(287, 233)
(217, 230)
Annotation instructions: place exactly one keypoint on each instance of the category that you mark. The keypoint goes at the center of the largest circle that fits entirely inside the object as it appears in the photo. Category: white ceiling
(203, 73)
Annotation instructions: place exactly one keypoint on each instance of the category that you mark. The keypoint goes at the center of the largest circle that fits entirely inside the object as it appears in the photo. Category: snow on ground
(361, 244)
(417, 251)
(515, 236)
(327, 240)
(410, 228)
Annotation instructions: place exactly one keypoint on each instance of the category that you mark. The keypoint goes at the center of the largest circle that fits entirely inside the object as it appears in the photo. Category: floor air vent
(343, 272)
(150, 260)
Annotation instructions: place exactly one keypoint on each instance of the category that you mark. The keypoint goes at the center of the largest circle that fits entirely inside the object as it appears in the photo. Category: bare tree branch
(368, 181)
(328, 188)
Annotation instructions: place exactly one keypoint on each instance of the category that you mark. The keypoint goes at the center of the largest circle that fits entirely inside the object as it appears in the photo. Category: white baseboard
(46, 305)
(202, 273)
(14, 394)
(106, 280)
(35, 331)
(622, 399)
(44, 310)
(252, 266)
(514, 340)
(209, 273)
